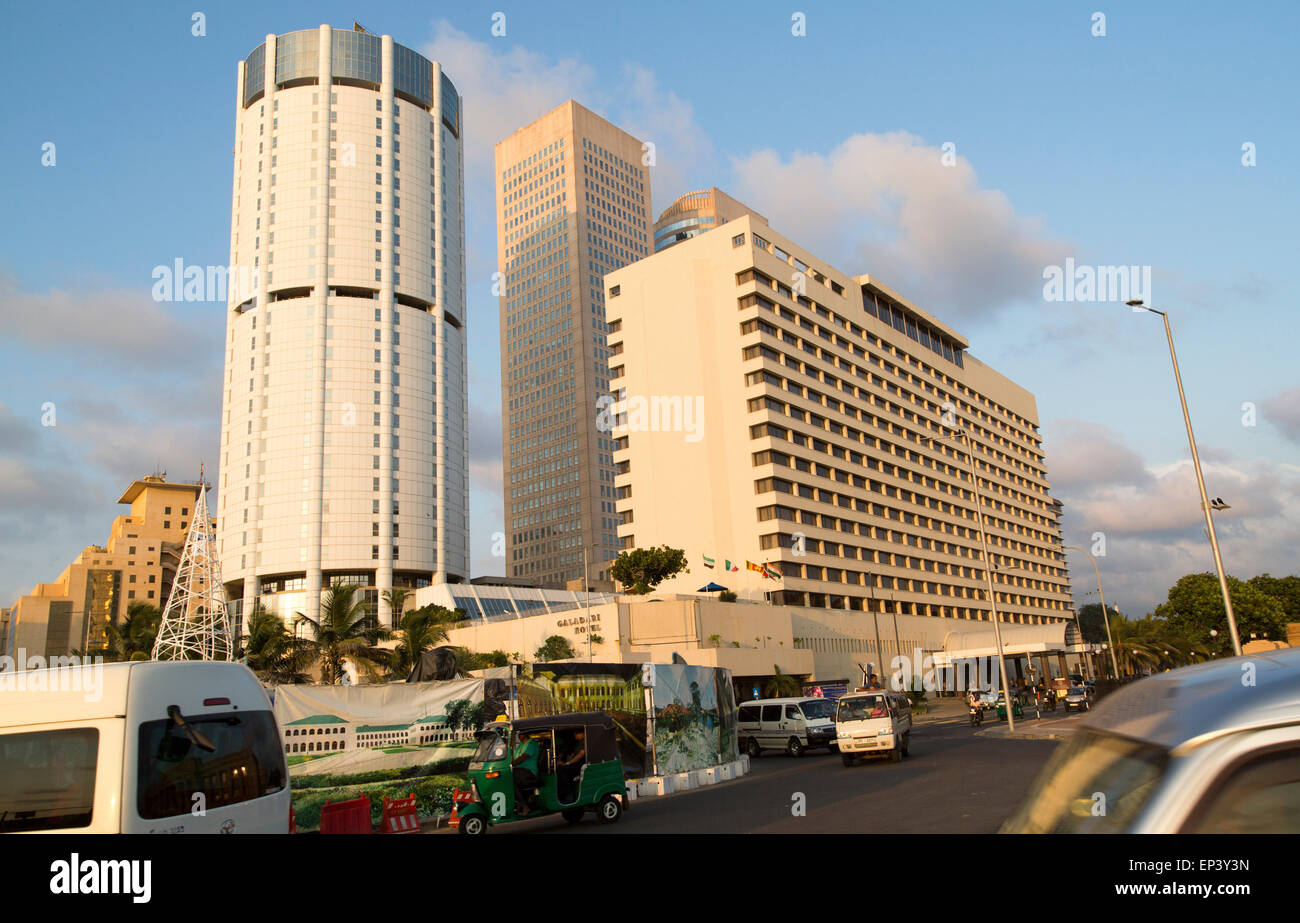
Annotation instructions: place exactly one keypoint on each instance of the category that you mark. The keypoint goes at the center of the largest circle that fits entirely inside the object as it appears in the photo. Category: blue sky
(1117, 149)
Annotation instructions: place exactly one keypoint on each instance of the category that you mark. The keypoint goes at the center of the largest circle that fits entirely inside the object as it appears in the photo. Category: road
(953, 782)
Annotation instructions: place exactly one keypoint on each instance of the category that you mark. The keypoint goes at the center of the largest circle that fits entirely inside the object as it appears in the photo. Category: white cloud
(885, 204)
(1151, 517)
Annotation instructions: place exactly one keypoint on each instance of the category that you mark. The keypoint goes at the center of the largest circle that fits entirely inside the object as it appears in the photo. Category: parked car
(1194, 750)
(141, 752)
(793, 725)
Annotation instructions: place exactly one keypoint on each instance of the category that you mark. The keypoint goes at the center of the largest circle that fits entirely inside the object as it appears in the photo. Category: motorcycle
(976, 715)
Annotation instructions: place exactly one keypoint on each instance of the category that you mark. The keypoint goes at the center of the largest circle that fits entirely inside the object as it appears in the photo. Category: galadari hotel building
(776, 412)
(344, 446)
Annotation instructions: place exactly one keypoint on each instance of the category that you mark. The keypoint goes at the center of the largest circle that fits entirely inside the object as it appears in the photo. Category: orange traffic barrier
(351, 816)
(399, 815)
(457, 799)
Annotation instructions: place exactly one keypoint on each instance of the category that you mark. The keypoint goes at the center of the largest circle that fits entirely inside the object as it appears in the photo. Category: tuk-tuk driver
(524, 766)
(570, 765)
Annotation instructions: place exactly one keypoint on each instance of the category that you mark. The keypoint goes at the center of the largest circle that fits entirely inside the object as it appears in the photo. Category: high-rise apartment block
(573, 204)
(778, 413)
(344, 436)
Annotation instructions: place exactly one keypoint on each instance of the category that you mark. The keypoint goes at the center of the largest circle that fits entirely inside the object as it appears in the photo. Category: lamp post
(1105, 618)
(988, 574)
(1136, 303)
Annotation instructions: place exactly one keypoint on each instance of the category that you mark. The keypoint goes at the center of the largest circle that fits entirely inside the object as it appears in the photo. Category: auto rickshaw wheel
(573, 815)
(473, 825)
(610, 809)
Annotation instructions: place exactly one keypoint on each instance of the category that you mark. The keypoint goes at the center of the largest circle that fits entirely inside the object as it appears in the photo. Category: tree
(134, 638)
(1195, 607)
(1285, 590)
(643, 569)
(1091, 624)
(454, 712)
(271, 650)
(780, 685)
(396, 599)
(556, 647)
(346, 630)
(417, 632)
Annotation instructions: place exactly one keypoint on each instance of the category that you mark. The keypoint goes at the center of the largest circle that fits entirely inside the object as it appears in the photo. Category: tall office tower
(344, 447)
(774, 411)
(573, 203)
(695, 213)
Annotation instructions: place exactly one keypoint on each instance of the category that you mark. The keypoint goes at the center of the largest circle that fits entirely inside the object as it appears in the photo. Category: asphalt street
(955, 781)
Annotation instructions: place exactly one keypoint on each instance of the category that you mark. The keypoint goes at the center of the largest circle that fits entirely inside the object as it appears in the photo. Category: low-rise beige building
(136, 564)
(791, 428)
(753, 640)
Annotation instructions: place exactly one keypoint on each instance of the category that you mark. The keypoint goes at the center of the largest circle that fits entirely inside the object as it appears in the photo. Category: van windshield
(47, 779)
(818, 708)
(246, 763)
(1095, 783)
(861, 708)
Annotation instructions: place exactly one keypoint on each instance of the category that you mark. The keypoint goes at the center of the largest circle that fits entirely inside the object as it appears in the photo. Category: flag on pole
(774, 572)
(755, 567)
(708, 561)
(728, 566)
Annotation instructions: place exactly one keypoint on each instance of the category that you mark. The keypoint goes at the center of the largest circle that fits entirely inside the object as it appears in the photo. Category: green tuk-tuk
(578, 769)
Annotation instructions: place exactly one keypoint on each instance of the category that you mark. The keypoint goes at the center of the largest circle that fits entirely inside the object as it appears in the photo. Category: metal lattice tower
(195, 625)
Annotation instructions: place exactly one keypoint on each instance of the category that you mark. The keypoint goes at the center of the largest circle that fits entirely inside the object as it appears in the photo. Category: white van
(143, 747)
(792, 725)
(874, 722)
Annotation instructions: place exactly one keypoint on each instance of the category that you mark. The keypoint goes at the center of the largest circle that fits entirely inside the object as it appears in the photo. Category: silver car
(1213, 748)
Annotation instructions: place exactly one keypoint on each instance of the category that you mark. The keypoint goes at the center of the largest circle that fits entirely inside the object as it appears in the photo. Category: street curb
(1035, 734)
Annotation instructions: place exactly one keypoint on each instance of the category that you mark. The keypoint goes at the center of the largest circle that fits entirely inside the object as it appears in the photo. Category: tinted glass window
(771, 712)
(749, 713)
(1094, 783)
(818, 708)
(792, 711)
(47, 779)
(245, 763)
(1260, 797)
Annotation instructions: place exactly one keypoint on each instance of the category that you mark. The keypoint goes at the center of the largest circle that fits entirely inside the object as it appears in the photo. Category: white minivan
(142, 747)
(868, 723)
(792, 725)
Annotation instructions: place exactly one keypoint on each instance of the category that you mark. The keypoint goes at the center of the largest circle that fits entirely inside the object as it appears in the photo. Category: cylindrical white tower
(344, 433)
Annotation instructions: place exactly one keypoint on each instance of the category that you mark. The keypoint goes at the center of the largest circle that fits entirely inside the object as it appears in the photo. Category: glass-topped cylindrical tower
(344, 436)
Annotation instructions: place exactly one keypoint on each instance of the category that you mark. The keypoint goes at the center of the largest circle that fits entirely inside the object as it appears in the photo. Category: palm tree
(272, 652)
(345, 630)
(417, 632)
(396, 599)
(134, 638)
(780, 685)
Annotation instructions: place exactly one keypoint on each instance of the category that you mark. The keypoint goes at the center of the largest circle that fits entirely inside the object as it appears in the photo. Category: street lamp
(1137, 304)
(1105, 618)
(988, 573)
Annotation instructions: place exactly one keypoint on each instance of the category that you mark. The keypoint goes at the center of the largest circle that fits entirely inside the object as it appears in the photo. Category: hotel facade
(822, 439)
(344, 438)
(573, 204)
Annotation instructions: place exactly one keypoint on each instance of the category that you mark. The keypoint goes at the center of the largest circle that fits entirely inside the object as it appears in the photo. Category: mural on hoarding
(693, 710)
(383, 740)
(612, 688)
(695, 718)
